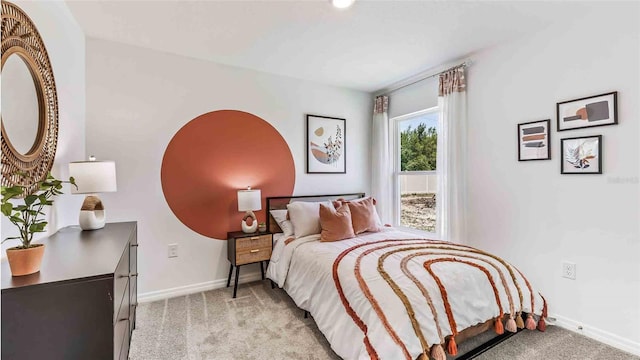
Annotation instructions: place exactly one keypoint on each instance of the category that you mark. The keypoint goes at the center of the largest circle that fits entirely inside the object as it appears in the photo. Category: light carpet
(264, 323)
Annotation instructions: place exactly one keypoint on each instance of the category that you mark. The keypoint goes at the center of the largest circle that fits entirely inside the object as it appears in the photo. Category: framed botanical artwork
(533, 140)
(581, 155)
(326, 145)
(598, 110)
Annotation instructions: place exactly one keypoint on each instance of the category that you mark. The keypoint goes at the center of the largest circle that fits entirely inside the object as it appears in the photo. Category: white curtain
(381, 171)
(451, 157)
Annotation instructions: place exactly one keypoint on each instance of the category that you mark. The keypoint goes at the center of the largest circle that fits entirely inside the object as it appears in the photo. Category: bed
(393, 295)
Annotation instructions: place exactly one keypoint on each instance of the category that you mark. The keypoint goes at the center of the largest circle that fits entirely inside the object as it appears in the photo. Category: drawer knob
(123, 319)
(134, 275)
(255, 238)
(254, 251)
(134, 245)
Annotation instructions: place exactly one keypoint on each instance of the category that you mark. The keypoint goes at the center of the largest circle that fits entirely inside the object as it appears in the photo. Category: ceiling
(366, 47)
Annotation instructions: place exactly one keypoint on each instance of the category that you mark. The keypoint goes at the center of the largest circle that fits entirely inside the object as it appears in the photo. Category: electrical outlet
(173, 250)
(569, 270)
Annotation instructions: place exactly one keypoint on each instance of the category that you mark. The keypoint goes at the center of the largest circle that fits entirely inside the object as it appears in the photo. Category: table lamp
(249, 200)
(92, 177)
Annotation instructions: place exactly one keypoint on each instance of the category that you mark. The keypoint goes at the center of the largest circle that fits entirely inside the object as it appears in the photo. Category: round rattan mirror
(30, 135)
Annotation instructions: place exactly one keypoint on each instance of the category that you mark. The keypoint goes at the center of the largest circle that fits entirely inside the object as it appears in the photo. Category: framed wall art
(598, 110)
(581, 155)
(533, 140)
(326, 145)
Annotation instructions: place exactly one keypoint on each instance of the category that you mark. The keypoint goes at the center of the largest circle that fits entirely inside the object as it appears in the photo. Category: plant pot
(25, 261)
(262, 227)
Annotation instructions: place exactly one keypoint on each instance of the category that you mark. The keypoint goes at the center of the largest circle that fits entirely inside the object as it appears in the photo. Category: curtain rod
(422, 78)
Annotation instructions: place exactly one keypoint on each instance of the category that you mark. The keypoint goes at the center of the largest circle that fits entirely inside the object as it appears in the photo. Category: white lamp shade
(93, 177)
(249, 200)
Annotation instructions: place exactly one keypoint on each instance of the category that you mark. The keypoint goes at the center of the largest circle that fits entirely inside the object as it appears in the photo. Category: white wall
(65, 44)
(137, 99)
(533, 216)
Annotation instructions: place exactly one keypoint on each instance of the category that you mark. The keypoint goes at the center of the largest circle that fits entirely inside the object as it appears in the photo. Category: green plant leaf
(7, 208)
(11, 192)
(37, 227)
(16, 219)
(30, 199)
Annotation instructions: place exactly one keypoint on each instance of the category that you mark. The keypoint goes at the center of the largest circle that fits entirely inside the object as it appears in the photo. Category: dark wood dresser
(82, 303)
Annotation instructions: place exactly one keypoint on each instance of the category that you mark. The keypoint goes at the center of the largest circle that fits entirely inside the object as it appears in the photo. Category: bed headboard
(280, 202)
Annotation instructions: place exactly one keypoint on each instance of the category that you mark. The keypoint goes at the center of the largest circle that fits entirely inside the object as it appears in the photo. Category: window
(416, 143)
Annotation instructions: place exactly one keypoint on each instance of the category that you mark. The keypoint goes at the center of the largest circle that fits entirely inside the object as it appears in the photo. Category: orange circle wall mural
(212, 157)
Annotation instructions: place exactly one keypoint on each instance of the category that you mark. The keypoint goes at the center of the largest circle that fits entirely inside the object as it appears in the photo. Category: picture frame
(586, 112)
(581, 155)
(326, 145)
(534, 140)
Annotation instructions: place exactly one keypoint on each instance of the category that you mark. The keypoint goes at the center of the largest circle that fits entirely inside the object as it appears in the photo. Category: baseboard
(597, 334)
(193, 288)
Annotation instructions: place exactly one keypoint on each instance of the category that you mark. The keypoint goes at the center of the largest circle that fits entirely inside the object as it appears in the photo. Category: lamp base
(92, 214)
(248, 229)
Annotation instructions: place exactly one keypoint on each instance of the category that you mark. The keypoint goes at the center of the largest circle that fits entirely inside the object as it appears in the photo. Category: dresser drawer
(121, 326)
(253, 242)
(124, 351)
(120, 282)
(120, 331)
(251, 255)
(133, 259)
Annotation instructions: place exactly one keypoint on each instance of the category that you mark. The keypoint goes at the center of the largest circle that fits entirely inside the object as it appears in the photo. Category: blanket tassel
(542, 326)
(511, 325)
(499, 327)
(530, 323)
(437, 352)
(519, 321)
(452, 348)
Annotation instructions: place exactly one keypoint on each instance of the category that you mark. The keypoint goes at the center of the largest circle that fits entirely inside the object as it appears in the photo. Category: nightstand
(244, 249)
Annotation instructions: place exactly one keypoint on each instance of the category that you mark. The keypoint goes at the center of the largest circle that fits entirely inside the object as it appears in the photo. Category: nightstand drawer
(251, 255)
(253, 242)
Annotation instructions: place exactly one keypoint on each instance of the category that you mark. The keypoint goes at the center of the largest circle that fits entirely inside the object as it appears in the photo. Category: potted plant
(262, 227)
(27, 215)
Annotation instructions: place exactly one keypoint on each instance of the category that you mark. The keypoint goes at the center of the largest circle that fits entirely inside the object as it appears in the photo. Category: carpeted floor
(262, 323)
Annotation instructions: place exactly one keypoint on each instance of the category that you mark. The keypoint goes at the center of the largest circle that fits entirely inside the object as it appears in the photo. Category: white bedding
(304, 269)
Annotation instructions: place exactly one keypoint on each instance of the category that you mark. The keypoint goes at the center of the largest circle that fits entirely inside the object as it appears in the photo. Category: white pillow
(305, 217)
(280, 216)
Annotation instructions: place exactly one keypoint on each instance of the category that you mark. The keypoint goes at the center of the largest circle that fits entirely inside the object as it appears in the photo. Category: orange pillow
(364, 215)
(335, 224)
